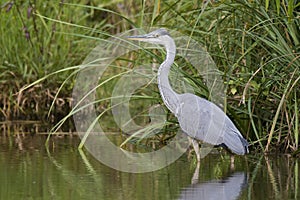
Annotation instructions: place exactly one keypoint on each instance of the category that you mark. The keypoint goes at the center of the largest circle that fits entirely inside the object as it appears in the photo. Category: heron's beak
(138, 37)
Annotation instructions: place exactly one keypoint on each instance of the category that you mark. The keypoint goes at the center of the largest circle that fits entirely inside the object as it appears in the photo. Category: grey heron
(199, 118)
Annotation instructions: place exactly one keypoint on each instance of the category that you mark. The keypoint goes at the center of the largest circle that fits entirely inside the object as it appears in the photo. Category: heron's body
(208, 123)
(198, 118)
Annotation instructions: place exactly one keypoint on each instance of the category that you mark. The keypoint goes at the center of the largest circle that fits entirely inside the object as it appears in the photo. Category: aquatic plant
(254, 43)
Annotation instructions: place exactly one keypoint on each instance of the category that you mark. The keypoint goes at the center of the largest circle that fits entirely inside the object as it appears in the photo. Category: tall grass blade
(278, 112)
(296, 176)
(253, 124)
(296, 129)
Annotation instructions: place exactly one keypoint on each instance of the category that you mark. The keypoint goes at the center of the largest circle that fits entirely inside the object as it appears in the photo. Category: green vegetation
(255, 44)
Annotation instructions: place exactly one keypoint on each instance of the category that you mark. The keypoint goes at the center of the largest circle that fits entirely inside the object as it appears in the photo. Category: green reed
(255, 44)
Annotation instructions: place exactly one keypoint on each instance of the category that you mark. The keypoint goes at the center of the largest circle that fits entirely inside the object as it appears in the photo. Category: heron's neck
(169, 96)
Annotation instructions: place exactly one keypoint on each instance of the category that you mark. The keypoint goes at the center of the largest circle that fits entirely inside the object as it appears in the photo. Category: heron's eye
(156, 35)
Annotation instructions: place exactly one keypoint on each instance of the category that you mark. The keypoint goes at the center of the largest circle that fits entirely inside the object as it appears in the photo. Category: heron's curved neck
(169, 96)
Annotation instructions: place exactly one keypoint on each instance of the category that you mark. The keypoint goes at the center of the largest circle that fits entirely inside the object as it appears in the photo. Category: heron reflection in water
(228, 188)
(199, 118)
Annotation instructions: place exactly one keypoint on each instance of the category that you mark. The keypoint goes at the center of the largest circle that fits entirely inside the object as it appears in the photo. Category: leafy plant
(254, 43)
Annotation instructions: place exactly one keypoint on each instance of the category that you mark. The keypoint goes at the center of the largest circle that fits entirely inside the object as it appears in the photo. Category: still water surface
(29, 170)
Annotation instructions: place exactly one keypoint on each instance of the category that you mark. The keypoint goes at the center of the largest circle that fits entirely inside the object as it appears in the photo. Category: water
(29, 170)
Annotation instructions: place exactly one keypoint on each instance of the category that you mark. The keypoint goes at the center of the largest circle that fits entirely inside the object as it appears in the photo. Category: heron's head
(159, 36)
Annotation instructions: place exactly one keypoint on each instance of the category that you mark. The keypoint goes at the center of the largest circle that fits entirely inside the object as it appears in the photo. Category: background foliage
(254, 43)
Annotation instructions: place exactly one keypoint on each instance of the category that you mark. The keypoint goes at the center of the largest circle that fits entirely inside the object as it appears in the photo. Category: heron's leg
(196, 148)
(195, 178)
(232, 162)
